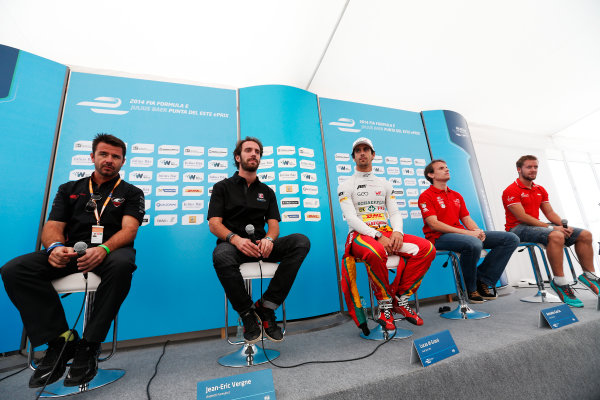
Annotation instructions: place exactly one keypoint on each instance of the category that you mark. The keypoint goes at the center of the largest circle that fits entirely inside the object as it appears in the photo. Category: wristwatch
(270, 239)
(229, 236)
(378, 234)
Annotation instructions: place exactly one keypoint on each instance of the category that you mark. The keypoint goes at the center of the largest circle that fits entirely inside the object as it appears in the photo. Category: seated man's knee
(512, 239)
(585, 237)
(302, 241)
(223, 256)
(556, 238)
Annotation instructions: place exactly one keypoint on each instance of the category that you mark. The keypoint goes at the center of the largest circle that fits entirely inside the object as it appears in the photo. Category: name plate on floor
(555, 317)
(433, 348)
(253, 385)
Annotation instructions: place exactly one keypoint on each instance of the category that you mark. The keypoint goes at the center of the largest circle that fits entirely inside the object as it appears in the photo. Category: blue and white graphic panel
(179, 143)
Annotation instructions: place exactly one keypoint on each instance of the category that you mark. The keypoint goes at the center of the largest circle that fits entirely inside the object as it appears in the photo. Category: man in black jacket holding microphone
(103, 212)
(235, 203)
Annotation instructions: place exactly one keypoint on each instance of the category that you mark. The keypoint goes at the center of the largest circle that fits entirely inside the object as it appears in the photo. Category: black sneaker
(46, 364)
(484, 290)
(267, 318)
(251, 326)
(85, 363)
(475, 297)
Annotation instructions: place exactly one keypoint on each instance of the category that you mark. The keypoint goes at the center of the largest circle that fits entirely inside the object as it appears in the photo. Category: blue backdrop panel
(31, 88)
(401, 155)
(179, 142)
(286, 120)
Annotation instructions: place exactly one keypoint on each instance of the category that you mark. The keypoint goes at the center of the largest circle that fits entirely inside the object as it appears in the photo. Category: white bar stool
(250, 354)
(75, 283)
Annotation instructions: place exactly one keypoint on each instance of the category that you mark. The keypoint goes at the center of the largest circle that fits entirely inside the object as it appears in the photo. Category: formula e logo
(167, 190)
(286, 162)
(218, 164)
(165, 219)
(104, 105)
(137, 176)
(168, 163)
(345, 125)
(80, 173)
(145, 148)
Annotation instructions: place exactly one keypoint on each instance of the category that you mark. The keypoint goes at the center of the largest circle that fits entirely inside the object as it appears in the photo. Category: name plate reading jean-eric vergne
(433, 348)
(252, 386)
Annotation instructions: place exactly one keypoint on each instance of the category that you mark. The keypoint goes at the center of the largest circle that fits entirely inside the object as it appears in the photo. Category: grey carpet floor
(489, 346)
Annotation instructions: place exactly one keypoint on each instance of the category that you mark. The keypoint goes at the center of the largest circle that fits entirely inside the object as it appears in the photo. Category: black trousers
(27, 282)
(289, 251)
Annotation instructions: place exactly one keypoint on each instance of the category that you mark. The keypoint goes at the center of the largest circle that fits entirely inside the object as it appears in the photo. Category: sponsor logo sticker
(290, 202)
(423, 182)
(420, 162)
(393, 171)
(313, 216)
(218, 164)
(288, 175)
(343, 168)
(143, 148)
(406, 161)
(342, 157)
(82, 145)
(193, 150)
(308, 164)
(410, 182)
(415, 214)
(193, 190)
(168, 149)
(408, 171)
(192, 219)
(266, 176)
(167, 190)
(404, 214)
(140, 176)
(192, 205)
(305, 152)
(166, 205)
(396, 181)
(193, 177)
(401, 203)
(286, 150)
(193, 163)
(286, 163)
(290, 188)
(143, 162)
(420, 172)
(216, 177)
(377, 160)
(167, 176)
(311, 203)
(165, 219)
(412, 192)
(147, 189)
(81, 159)
(290, 216)
(168, 163)
(378, 169)
(308, 177)
(391, 160)
(413, 203)
(310, 189)
(267, 150)
(266, 163)
(79, 173)
(217, 151)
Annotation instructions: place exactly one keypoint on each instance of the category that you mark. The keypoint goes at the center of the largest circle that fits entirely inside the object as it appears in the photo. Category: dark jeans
(289, 251)
(502, 245)
(27, 280)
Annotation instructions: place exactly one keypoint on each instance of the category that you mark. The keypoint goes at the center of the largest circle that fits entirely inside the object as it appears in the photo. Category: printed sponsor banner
(290, 216)
(266, 163)
(192, 205)
(167, 190)
(140, 176)
(393, 171)
(218, 152)
(141, 162)
(218, 164)
(290, 188)
(79, 173)
(267, 151)
(165, 219)
(412, 192)
(308, 177)
(83, 145)
(167, 176)
(193, 151)
(168, 163)
(342, 157)
(289, 202)
(344, 168)
(286, 163)
(312, 216)
(193, 177)
(266, 176)
(81, 159)
(288, 175)
(193, 163)
(192, 219)
(304, 152)
(307, 164)
(391, 160)
(143, 148)
(310, 189)
(168, 149)
(286, 150)
(192, 191)
(166, 205)
(216, 177)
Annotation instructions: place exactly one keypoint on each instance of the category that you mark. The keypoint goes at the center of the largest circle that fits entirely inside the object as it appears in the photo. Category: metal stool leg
(542, 296)
(463, 311)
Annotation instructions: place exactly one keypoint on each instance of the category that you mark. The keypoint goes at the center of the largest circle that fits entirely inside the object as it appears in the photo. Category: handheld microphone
(564, 223)
(80, 248)
(250, 231)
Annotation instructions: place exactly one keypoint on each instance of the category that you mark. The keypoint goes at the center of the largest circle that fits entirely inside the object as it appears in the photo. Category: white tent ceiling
(522, 65)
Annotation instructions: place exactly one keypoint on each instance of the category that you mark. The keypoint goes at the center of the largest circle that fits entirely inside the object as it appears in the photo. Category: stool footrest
(102, 378)
(248, 356)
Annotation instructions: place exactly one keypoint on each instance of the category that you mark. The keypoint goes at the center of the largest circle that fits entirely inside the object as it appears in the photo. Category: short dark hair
(108, 139)
(238, 148)
(429, 169)
(370, 148)
(524, 158)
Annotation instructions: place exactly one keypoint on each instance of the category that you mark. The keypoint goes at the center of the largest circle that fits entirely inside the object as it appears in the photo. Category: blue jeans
(539, 234)
(501, 244)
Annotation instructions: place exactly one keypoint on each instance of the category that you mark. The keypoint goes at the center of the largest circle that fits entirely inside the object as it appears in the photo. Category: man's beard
(247, 167)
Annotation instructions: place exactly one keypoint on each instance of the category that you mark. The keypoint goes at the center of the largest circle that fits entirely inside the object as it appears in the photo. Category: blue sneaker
(565, 293)
(593, 284)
